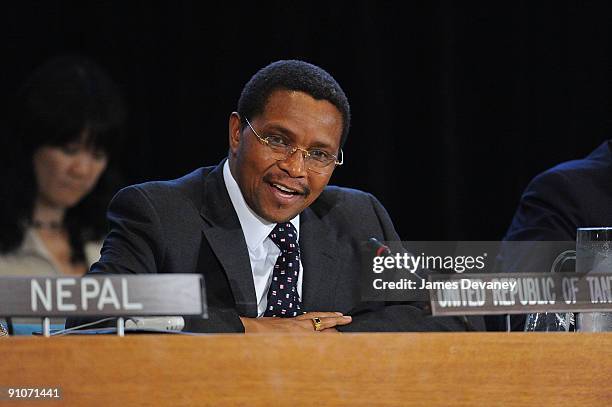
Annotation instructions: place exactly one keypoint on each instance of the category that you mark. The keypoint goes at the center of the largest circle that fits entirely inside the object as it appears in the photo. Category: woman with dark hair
(56, 182)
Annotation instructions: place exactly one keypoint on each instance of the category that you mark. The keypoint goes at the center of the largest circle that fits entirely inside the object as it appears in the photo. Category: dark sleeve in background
(549, 210)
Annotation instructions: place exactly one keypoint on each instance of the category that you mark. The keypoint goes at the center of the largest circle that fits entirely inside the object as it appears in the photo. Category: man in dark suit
(278, 248)
(554, 205)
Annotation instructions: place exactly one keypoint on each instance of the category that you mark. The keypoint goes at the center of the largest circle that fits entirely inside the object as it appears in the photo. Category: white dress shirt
(262, 250)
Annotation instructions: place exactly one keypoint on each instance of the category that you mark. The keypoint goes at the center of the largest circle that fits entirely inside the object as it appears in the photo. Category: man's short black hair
(293, 75)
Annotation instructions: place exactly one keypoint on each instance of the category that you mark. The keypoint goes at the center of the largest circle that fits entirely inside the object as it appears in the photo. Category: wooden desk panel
(415, 369)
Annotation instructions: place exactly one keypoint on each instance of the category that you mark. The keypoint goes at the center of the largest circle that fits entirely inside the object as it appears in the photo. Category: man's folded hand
(302, 323)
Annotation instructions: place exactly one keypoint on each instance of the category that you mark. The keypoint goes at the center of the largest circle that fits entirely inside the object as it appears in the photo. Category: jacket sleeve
(548, 210)
(135, 244)
(401, 316)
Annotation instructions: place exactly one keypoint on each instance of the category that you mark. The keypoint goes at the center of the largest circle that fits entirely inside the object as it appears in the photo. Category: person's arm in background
(548, 211)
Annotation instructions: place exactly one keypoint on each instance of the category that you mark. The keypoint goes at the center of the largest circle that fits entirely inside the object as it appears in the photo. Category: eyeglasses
(315, 160)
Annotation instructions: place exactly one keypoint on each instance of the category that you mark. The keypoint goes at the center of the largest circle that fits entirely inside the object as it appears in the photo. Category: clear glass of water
(594, 254)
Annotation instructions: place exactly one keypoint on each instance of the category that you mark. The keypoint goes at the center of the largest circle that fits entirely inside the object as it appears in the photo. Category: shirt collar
(32, 245)
(255, 228)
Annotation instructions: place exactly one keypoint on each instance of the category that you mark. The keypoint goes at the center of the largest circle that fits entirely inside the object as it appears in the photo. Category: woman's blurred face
(64, 175)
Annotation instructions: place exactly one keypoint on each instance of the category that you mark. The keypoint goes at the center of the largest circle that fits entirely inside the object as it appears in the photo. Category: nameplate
(518, 293)
(104, 295)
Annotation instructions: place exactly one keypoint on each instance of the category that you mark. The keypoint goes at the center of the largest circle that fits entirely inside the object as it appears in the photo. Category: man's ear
(234, 132)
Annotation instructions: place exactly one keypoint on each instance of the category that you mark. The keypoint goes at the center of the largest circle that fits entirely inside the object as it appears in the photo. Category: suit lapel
(319, 260)
(224, 234)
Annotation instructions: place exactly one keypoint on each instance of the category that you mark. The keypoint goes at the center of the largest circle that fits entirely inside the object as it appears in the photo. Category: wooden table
(413, 369)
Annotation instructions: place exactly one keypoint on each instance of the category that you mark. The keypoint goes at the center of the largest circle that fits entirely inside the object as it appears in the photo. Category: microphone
(380, 248)
(383, 250)
(168, 323)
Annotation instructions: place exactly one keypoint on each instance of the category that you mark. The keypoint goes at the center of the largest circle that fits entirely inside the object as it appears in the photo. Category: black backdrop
(456, 105)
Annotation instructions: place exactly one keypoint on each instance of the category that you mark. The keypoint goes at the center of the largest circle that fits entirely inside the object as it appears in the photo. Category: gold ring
(316, 323)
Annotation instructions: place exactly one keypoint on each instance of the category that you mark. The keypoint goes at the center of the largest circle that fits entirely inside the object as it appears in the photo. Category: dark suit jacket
(189, 225)
(555, 203)
(571, 195)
